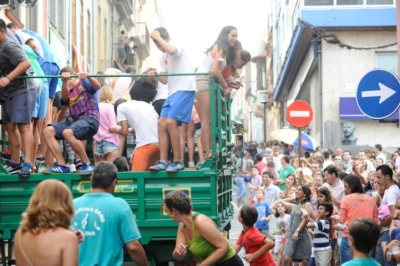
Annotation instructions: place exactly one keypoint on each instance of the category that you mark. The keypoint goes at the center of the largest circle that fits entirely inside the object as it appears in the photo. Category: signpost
(378, 93)
(299, 114)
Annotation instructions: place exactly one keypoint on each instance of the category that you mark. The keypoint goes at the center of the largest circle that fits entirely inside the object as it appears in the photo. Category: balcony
(142, 40)
(124, 8)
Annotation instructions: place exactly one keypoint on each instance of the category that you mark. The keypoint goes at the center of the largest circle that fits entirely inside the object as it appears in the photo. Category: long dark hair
(222, 42)
(354, 183)
(307, 191)
(326, 192)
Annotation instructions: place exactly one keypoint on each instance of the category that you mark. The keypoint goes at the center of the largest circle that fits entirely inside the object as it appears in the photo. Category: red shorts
(283, 239)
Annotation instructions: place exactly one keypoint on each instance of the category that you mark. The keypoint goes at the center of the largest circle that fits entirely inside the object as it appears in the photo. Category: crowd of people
(303, 210)
(164, 113)
(317, 198)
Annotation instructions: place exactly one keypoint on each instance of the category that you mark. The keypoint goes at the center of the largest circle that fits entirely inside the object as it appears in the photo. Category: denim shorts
(83, 128)
(42, 102)
(19, 108)
(103, 147)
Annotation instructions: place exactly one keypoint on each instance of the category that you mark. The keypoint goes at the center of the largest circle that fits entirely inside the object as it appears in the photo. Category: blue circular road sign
(378, 93)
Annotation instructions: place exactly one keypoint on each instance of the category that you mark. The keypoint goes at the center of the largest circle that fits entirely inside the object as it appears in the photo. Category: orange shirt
(352, 208)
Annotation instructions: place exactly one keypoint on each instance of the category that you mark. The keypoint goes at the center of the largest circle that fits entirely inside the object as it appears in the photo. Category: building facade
(321, 50)
(84, 33)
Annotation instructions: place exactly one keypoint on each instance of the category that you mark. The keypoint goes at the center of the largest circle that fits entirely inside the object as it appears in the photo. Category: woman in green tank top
(198, 234)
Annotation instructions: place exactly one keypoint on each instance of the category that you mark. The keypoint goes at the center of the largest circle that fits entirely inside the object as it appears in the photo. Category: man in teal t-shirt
(364, 234)
(106, 222)
(284, 172)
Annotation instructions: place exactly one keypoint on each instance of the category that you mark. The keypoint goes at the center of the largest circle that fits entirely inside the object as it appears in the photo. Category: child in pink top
(106, 144)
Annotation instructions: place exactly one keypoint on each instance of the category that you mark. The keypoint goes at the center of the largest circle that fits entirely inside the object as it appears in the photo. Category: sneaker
(199, 165)
(159, 166)
(78, 163)
(175, 167)
(72, 168)
(26, 170)
(6, 155)
(13, 168)
(191, 165)
(87, 169)
(57, 169)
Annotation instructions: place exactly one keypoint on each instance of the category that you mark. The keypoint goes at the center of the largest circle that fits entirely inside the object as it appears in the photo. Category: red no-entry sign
(299, 114)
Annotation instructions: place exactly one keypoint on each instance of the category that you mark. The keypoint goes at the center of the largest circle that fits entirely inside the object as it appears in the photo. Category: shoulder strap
(23, 251)
(195, 214)
(194, 230)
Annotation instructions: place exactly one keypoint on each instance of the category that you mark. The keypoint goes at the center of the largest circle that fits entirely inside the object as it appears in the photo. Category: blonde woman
(43, 237)
(106, 144)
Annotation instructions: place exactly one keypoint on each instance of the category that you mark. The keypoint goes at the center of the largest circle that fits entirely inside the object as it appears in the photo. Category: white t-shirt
(121, 87)
(277, 162)
(143, 118)
(390, 198)
(178, 63)
(162, 92)
(382, 157)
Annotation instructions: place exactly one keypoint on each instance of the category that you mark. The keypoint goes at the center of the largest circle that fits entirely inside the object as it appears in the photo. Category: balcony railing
(124, 8)
(142, 40)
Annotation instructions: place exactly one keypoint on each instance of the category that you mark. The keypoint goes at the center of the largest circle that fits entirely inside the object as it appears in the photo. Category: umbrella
(290, 136)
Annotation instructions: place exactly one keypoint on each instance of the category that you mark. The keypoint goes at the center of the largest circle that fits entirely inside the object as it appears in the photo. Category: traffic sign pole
(299, 114)
(300, 146)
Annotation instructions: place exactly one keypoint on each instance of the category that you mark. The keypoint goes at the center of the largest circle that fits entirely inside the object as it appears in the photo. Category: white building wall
(342, 66)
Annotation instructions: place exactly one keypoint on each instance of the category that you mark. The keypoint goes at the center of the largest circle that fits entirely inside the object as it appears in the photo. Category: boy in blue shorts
(177, 109)
(78, 94)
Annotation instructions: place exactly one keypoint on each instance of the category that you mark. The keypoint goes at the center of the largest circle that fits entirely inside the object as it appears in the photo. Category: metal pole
(265, 121)
(321, 95)
(300, 148)
(250, 127)
(115, 75)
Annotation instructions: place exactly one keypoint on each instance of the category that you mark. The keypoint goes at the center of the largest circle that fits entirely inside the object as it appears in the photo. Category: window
(89, 39)
(318, 2)
(74, 29)
(81, 30)
(321, 3)
(387, 60)
(32, 21)
(349, 2)
(57, 15)
(380, 2)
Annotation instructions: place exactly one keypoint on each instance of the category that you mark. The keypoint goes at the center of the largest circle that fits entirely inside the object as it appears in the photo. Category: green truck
(210, 189)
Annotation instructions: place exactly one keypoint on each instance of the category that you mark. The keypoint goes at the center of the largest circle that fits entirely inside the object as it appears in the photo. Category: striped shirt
(321, 235)
(82, 103)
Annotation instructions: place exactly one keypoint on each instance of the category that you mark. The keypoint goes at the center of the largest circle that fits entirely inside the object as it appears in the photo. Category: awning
(349, 110)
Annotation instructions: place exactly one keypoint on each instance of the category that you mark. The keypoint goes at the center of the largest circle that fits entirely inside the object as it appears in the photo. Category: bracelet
(8, 78)
(298, 230)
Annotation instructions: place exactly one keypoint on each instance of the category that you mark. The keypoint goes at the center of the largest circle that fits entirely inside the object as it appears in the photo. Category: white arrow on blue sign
(378, 93)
